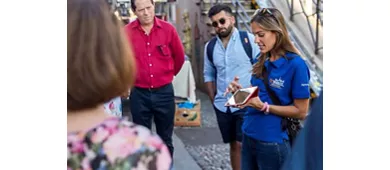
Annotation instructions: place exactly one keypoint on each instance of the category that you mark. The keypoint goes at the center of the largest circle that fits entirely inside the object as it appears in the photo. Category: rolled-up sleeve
(208, 69)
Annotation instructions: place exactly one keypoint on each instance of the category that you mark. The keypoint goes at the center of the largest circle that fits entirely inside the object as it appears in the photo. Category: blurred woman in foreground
(100, 67)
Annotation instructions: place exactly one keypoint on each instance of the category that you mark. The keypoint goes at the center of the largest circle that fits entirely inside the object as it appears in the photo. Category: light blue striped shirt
(229, 62)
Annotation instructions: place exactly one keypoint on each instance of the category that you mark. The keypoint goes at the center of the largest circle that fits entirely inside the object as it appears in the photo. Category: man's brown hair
(133, 7)
(100, 61)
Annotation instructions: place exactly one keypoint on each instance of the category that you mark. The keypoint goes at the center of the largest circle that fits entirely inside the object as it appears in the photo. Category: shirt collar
(157, 23)
(278, 63)
(234, 35)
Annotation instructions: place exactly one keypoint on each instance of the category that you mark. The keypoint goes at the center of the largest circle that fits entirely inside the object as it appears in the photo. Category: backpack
(244, 41)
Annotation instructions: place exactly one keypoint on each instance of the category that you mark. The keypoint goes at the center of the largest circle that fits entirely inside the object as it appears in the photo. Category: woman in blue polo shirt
(265, 143)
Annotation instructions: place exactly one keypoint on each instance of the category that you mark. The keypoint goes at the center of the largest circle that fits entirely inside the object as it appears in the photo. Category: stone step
(225, 1)
(241, 23)
(207, 5)
(206, 19)
(250, 12)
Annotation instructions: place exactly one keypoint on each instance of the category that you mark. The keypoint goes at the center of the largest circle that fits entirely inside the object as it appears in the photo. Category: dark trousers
(157, 104)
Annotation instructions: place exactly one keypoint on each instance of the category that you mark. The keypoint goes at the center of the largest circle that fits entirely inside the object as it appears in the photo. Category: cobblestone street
(211, 157)
(205, 143)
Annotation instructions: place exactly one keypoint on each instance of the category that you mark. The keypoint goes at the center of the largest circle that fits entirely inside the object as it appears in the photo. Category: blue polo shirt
(289, 79)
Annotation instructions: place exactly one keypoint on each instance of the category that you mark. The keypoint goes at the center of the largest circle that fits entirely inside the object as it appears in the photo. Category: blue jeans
(261, 155)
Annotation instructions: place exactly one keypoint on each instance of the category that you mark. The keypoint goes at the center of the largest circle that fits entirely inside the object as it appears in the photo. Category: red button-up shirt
(159, 55)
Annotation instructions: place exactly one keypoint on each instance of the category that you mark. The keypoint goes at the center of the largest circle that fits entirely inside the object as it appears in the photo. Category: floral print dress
(114, 107)
(117, 144)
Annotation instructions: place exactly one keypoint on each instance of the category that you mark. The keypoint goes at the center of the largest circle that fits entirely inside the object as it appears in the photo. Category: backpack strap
(246, 44)
(244, 41)
(210, 50)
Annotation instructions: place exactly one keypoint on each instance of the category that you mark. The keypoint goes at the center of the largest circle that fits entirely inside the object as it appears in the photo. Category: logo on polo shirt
(304, 85)
(277, 83)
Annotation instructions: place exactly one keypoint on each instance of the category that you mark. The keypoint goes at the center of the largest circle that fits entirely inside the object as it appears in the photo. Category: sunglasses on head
(221, 21)
(264, 12)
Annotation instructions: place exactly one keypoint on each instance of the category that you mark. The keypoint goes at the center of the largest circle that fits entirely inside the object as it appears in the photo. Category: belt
(153, 89)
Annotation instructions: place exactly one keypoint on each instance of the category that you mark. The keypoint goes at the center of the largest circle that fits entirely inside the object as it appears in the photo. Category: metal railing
(262, 3)
(318, 16)
(243, 15)
(315, 73)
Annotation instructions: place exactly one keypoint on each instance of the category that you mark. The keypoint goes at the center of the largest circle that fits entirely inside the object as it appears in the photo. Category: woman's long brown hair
(270, 19)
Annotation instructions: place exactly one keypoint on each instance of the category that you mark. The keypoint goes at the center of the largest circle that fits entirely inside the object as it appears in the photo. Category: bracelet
(267, 111)
(264, 106)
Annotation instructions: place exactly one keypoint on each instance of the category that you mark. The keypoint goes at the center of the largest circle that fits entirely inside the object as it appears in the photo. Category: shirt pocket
(240, 59)
(165, 58)
(164, 50)
(219, 59)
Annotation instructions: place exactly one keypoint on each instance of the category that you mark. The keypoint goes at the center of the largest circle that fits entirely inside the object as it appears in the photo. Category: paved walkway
(182, 160)
(204, 143)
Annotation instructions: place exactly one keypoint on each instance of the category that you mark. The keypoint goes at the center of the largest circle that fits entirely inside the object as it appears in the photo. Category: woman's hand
(254, 102)
(233, 86)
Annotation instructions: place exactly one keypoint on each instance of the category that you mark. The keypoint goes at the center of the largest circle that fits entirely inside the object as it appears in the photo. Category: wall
(193, 7)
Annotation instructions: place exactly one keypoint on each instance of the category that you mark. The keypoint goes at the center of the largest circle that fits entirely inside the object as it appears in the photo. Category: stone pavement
(204, 143)
(182, 160)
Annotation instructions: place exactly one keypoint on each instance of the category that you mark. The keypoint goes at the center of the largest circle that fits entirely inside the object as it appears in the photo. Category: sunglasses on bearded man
(221, 21)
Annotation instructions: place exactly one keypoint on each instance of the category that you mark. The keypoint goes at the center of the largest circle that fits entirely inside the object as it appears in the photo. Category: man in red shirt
(159, 56)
